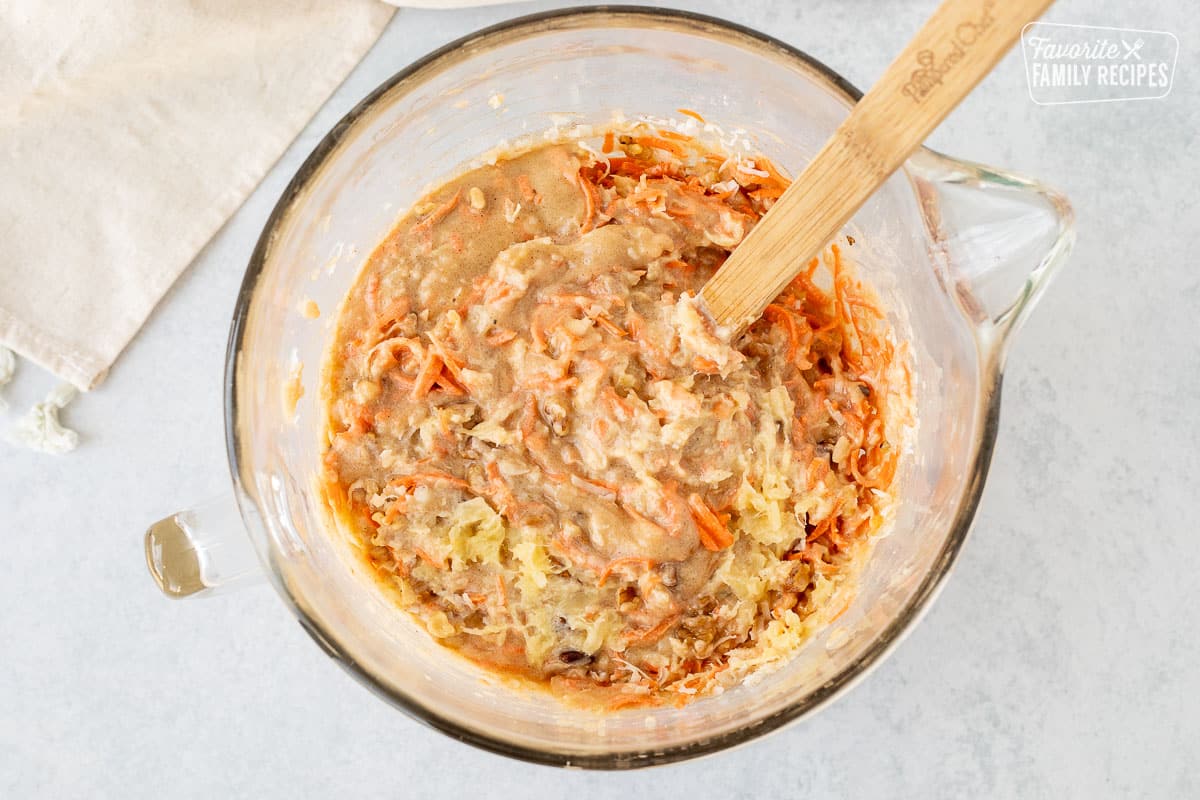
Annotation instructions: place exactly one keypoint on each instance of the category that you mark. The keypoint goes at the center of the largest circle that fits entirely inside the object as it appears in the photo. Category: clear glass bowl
(959, 253)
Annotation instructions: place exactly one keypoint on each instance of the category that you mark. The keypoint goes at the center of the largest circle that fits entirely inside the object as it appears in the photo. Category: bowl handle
(202, 551)
(998, 239)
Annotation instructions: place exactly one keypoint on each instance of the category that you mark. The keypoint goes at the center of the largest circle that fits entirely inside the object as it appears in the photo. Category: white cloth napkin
(129, 132)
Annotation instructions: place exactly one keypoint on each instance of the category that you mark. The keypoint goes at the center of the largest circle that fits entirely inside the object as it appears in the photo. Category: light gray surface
(1060, 661)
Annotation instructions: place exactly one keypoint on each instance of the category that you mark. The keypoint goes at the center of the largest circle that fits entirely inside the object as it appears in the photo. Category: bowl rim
(849, 675)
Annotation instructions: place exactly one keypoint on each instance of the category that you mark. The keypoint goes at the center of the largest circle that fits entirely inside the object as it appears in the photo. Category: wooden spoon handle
(958, 45)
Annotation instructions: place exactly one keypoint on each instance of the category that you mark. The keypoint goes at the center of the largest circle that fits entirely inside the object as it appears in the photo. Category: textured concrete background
(1060, 661)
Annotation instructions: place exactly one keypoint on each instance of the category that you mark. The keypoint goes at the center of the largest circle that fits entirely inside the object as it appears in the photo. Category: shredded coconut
(40, 429)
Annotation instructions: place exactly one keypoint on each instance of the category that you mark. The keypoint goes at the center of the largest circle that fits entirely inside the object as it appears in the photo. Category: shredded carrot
(427, 376)
(687, 112)
(780, 315)
(673, 509)
(683, 214)
(362, 422)
(447, 383)
(529, 416)
(438, 214)
(394, 510)
(845, 608)
(502, 592)
(818, 468)
(635, 167)
(661, 144)
(537, 335)
(526, 189)
(607, 147)
(548, 384)
(399, 308)
(428, 477)
(631, 561)
(609, 325)
(713, 534)
(886, 466)
(590, 199)
(371, 295)
(667, 133)
(500, 337)
(828, 528)
(451, 361)
(595, 487)
(428, 559)
(642, 518)
(653, 634)
(505, 499)
(651, 352)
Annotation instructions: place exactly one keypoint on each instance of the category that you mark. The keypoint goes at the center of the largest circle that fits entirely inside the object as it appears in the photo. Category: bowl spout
(997, 237)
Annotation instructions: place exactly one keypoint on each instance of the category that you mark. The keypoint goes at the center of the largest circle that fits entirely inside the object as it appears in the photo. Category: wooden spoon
(958, 45)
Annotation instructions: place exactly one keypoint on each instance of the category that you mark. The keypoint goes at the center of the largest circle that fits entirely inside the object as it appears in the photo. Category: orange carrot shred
(427, 477)
(427, 376)
(653, 634)
(428, 559)
(624, 561)
(371, 295)
(589, 203)
(778, 314)
(609, 325)
(661, 144)
(676, 135)
(439, 213)
(713, 534)
(502, 592)
(500, 337)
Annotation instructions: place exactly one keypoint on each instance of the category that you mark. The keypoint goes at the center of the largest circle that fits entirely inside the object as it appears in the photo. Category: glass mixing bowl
(958, 252)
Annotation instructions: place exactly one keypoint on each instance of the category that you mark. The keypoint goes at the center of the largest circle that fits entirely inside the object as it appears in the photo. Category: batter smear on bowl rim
(554, 462)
